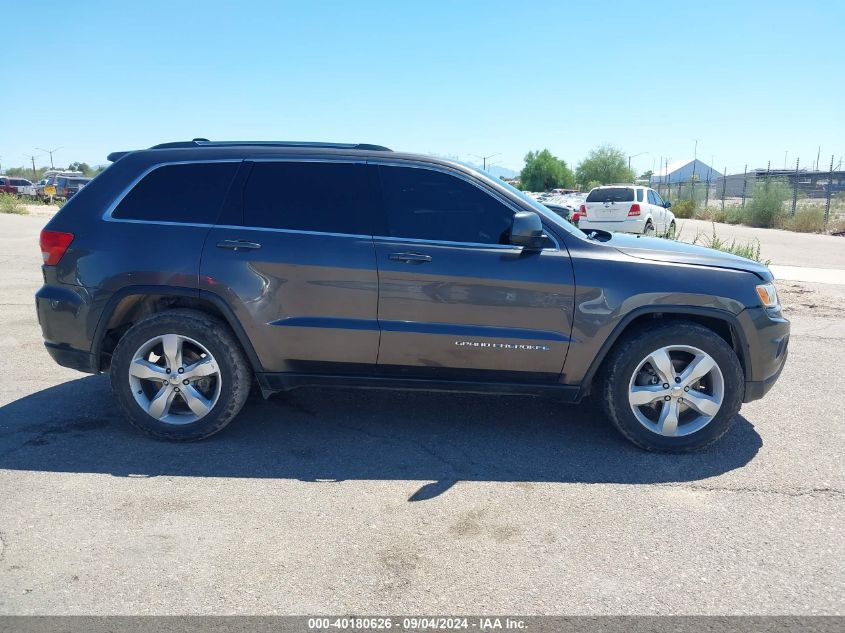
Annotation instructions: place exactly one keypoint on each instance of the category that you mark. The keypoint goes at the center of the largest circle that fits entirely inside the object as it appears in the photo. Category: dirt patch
(45, 210)
(816, 299)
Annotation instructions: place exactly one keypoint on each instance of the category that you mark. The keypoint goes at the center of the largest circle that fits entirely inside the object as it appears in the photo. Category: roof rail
(204, 142)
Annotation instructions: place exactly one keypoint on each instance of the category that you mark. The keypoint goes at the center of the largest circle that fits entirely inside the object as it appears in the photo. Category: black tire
(670, 233)
(648, 229)
(625, 357)
(217, 338)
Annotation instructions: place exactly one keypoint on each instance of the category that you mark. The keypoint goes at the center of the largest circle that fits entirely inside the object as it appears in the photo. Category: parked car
(66, 187)
(564, 211)
(627, 209)
(407, 271)
(47, 188)
(26, 188)
(16, 186)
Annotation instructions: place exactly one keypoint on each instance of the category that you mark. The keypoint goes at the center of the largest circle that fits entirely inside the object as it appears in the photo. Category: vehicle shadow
(342, 434)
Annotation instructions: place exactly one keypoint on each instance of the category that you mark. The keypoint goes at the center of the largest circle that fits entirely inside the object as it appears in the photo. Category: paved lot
(353, 501)
(781, 247)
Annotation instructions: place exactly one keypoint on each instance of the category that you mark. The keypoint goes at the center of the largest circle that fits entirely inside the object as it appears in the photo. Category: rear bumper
(77, 359)
(623, 226)
(64, 316)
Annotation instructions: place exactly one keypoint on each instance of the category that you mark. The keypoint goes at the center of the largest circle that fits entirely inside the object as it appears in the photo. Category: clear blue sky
(749, 80)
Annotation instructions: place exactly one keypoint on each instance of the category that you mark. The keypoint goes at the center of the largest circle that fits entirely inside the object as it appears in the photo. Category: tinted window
(324, 197)
(651, 198)
(611, 194)
(191, 192)
(639, 195)
(431, 205)
(657, 199)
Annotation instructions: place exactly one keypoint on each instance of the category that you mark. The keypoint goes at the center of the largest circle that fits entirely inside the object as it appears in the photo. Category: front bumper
(767, 347)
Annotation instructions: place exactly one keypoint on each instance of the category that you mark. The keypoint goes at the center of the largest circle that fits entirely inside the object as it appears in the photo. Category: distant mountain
(498, 171)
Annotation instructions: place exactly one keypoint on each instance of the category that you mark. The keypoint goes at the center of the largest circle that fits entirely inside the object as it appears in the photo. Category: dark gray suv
(193, 270)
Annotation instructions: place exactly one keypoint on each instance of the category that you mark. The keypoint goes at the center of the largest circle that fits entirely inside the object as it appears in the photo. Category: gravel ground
(373, 502)
(781, 247)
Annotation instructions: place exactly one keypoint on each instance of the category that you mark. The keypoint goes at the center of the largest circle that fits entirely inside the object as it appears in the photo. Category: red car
(11, 185)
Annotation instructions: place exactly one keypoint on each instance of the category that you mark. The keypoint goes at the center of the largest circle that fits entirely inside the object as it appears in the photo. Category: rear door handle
(238, 245)
(409, 258)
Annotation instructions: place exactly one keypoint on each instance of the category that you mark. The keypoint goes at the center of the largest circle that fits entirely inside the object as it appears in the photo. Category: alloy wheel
(676, 390)
(175, 379)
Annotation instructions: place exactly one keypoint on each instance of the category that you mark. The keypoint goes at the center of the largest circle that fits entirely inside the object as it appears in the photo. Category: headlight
(768, 295)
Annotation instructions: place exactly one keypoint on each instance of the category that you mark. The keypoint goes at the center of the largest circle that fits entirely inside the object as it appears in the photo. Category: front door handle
(238, 245)
(409, 258)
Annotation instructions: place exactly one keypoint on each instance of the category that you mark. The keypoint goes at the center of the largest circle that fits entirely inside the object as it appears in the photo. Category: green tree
(646, 175)
(85, 168)
(545, 171)
(605, 164)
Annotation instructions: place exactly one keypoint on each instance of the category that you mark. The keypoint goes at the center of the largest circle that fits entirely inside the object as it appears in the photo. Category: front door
(455, 298)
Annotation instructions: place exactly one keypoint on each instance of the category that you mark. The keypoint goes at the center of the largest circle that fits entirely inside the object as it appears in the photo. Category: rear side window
(188, 193)
(430, 205)
(611, 194)
(309, 196)
(639, 195)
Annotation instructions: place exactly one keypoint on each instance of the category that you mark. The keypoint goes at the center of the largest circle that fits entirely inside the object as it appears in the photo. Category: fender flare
(714, 313)
(174, 291)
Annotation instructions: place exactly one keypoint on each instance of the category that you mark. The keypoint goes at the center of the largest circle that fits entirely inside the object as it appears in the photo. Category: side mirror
(527, 231)
(667, 205)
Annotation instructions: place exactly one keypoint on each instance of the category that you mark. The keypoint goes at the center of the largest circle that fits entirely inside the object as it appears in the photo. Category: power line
(50, 152)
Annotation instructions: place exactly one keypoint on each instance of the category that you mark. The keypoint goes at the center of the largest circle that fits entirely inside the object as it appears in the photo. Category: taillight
(634, 210)
(582, 210)
(53, 246)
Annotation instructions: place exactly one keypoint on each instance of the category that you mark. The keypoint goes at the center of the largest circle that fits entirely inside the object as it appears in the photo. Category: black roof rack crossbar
(201, 142)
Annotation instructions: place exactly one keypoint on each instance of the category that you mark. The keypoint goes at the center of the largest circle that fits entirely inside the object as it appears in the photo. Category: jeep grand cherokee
(190, 270)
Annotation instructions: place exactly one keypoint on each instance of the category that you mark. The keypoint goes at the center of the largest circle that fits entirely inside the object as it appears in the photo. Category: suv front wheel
(675, 387)
(180, 375)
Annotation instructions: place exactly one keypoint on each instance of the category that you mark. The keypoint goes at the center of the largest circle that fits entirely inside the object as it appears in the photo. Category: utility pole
(34, 173)
(50, 152)
(634, 156)
(829, 192)
(485, 158)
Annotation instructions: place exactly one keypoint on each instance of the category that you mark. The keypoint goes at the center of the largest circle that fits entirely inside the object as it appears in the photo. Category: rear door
(456, 300)
(609, 204)
(658, 212)
(293, 256)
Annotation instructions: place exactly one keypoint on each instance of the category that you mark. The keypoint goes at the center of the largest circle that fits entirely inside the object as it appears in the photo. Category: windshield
(611, 194)
(543, 211)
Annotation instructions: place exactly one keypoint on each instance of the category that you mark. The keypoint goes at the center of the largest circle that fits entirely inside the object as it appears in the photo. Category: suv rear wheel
(675, 387)
(180, 375)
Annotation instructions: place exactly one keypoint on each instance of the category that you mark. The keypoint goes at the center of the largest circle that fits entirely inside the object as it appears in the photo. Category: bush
(765, 208)
(749, 250)
(805, 220)
(713, 214)
(11, 204)
(684, 208)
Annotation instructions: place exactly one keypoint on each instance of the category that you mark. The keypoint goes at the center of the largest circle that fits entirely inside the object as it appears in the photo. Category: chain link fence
(797, 198)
